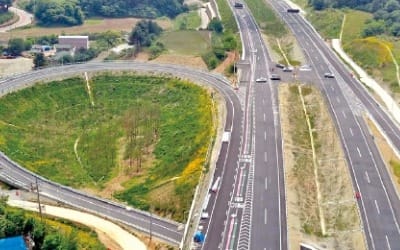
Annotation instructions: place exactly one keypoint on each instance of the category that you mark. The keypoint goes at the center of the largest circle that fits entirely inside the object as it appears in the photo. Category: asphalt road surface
(248, 211)
(347, 100)
(166, 230)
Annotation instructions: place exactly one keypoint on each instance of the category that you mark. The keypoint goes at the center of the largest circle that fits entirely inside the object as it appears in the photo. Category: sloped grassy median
(142, 139)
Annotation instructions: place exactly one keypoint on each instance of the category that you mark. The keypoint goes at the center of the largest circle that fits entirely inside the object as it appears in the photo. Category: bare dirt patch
(339, 208)
(15, 66)
(231, 57)
(186, 60)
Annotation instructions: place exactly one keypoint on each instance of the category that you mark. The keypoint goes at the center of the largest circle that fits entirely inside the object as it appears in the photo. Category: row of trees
(73, 12)
(386, 13)
(15, 223)
(62, 12)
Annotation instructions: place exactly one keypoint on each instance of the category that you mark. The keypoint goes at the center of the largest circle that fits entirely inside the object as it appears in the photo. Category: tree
(395, 29)
(51, 241)
(39, 60)
(374, 28)
(392, 5)
(16, 46)
(216, 25)
(144, 33)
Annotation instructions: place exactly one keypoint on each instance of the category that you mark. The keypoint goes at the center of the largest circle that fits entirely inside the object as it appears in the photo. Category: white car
(261, 79)
(329, 75)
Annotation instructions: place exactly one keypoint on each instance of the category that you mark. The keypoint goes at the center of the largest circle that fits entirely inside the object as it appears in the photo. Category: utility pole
(38, 196)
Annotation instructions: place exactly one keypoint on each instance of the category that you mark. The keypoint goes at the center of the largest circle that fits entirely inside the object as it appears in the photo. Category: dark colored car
(275, 77)
(280, 65)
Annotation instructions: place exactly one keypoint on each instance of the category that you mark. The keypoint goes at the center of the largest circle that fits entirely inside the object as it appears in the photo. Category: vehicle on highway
(358, 195)
(329, 75)
(215, 186)
(261, 79)
(293, 10)
(275, 77)
(204, 215)
(287, 69)
(280, 65)
(305, 67)
(238, 5)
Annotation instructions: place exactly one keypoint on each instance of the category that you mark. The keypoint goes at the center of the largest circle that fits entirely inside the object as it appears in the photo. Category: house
(14, 243)
(76, 42)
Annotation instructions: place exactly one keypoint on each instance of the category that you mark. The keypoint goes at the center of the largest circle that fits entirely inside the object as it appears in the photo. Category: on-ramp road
(166, 230)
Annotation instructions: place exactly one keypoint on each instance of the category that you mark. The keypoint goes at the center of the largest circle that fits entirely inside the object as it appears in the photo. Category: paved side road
(25, 18)
(122, 237)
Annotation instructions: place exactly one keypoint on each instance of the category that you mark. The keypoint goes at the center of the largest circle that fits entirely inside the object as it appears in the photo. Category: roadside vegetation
(321, 204)
(142, 139)
(370, 34)
(277, 36)
(47, 234)
(187, 21)
(5, 17)
(67, 13)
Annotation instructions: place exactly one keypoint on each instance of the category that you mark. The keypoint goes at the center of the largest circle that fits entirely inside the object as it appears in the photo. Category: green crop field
(187, 42)
(155, 130)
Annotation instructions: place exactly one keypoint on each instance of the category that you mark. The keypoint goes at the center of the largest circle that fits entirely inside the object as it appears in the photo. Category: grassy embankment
(371, 53)
(147, 135)
(275, 30)
(328, 175)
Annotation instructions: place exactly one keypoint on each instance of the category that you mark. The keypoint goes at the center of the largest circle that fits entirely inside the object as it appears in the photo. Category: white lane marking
(351, 132)
(359, 152)
(263, 101)
(332, 88)
(388, 244)
(344, 114)
(265, 156)
(337, 99)
(265, 135)
(265, 216)
(264, 118)
(266, 183)
(367, 177)
(377, 207)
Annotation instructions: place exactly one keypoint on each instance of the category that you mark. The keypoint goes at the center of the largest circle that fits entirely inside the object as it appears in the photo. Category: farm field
(141, 139)
(187, 42)
(90, 26)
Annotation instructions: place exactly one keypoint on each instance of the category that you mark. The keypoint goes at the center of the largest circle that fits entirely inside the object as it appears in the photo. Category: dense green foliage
(48, 235)
(144, 33)
(16, 46)
(58, 12)
(386, 13)
(50, 12)
(55, 130)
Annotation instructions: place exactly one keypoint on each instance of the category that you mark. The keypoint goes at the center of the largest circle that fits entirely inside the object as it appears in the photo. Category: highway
(166, 230)
(248, 212)
(348, 100)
